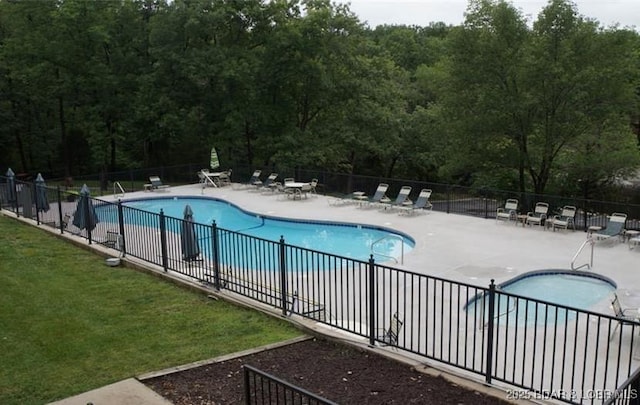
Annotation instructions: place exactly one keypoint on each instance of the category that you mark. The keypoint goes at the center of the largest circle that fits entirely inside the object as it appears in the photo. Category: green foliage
(96, 86)
(69, 323)
(532, 98)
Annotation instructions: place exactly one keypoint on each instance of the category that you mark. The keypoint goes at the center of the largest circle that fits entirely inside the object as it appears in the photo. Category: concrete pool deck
(454, 247)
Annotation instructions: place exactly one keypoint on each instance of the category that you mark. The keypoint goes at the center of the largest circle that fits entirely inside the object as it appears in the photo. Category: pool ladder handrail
(483, 325)
(589, 241)
(119, 187)
(390, 257)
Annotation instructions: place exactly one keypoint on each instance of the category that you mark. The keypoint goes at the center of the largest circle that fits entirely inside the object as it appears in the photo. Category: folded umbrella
(42, 201)
(85, 216)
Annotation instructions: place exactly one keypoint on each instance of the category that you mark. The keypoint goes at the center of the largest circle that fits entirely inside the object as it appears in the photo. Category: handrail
(589, 265)
(510, 309)
(121, 194)
(391, 257)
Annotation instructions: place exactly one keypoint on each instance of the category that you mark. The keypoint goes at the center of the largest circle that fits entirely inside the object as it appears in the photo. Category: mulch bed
(341, 373)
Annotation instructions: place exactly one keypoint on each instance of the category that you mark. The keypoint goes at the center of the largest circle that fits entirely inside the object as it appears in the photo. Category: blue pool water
(574, 289)
(352, 241)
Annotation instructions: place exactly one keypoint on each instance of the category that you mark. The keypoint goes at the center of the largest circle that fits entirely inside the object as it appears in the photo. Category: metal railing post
(122, 240)
(60, 210)
(372, 301)
(86, 215)
(163, 240)
(35, 200)
(216, 255)
(489, 353)
(485, 197)
(246, 385)
(283, 276)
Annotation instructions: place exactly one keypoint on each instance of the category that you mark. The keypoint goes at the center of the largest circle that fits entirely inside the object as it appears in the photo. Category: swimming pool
(342, 239)
(575, 289)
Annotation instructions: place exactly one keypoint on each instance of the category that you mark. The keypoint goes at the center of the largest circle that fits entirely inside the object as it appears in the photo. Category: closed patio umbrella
(85, 216)
(11, 185)
(42, 202)
(188, 238)
(215, 162)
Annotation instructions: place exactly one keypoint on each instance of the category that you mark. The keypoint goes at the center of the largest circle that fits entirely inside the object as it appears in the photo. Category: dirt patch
(338, 372)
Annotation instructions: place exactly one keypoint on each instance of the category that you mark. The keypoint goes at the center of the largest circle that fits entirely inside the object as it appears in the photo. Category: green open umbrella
(85, 216)
(188, 237)
(42, 202)
(215, 162)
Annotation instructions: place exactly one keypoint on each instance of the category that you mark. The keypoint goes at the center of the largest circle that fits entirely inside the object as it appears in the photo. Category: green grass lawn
(69, 323)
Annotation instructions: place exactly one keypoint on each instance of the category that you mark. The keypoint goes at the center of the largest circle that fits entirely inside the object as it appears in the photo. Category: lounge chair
(564, 220)
(509, 212)
(389, 336)
(421, 203)
(401, 199)
(313, 184)
(614, 228)
(251, 183)
(380, 196)
(113, 240)
(539, 215)
(269, 184)
(156, 184)
(224, 179)
(627, 315)
(357, 197)
(66, 220)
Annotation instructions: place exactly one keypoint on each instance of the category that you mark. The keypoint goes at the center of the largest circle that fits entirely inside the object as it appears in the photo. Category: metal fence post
(489, 356)
(35, 200)
(246, 386)
(283, 276)
(485, 197)
(60, 210)
(122, 242)
(372, 301)
(163, 240)
(86, 215)
(216, 256)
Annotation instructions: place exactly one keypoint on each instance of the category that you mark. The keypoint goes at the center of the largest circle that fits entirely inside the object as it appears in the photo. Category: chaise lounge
(538, 215)
(155, 184)
(509, 212)
(614, 228)
(564, 220)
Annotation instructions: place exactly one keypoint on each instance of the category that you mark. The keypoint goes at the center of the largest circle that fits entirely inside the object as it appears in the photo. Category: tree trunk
(18, 136)
(63, 138)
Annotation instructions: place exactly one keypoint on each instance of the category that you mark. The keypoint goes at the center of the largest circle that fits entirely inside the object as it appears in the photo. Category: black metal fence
(539, 350)
(472, 201)
(628, 393)
(263, 388)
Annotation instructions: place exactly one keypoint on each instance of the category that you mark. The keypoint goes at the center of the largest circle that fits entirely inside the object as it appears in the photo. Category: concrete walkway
(127, 392)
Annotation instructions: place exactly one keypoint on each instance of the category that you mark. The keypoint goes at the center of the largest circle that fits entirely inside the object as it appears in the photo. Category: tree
(528, 96)
(483, 98)
(583, 81)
